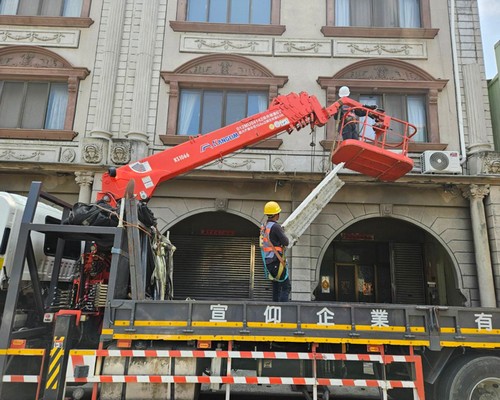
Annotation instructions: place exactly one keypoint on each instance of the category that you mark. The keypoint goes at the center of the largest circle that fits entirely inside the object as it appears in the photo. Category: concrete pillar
(486, 285)
(109, 69)
(143, 75)
(474, 101)
(84, 179)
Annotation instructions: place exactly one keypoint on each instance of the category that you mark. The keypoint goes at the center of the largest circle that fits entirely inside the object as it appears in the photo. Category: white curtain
(361, 12)
(189, 99)
(262, 102)
(56, 109)
(409, 13)
(385, 13)
(72, 8)
(369, 101)
(342, 13)
(8, 7)
(417, 116)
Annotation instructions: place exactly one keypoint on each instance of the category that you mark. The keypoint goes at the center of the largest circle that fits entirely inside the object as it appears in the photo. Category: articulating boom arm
(286, 113)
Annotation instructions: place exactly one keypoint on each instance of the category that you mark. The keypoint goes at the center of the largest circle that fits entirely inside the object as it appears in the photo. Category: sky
(489, 15)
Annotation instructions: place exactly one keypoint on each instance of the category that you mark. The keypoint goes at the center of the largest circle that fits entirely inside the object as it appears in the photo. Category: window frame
(182, 25)
(424, 32)
(61, 71)
(187, 76)
(421, 83)
(83, 21)
(225, 93)
(25, 99)
(403, 97)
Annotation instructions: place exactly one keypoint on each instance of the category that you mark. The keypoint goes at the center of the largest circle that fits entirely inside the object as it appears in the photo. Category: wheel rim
(487, 389)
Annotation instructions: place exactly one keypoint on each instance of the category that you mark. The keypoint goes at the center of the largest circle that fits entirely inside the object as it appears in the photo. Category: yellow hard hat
(272, 208)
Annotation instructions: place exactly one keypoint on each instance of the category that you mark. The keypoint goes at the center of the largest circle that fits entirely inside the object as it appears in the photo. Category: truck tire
(471, 378)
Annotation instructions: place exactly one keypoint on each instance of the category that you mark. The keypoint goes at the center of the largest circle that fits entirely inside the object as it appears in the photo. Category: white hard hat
(344, 91)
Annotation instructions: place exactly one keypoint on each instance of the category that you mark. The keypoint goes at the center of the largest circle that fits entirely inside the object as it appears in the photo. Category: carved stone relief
(302, 48)
(221, 204)
(67, 156)
(230, 68)
(386, 209)
(491, 163)
(278, 165)
(236, 164)
(120, 152)
(379, 48)
(476, 191)
(92, 153)
(30, 154)
(234, 45)
(29, 59)
(40, 37)
(382, 72)
(250, 163)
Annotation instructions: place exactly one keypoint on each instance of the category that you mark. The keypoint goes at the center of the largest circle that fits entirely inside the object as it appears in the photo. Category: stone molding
(302, 48)
(290, 47)
(40, 37)
(380, 48)
(240, 45)
(30, 154)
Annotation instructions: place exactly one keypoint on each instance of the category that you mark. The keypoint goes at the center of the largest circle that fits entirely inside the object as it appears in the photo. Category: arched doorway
(387, 260)
(218, 257)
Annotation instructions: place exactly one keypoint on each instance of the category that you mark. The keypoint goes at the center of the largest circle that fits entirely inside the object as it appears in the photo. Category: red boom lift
(372, 155)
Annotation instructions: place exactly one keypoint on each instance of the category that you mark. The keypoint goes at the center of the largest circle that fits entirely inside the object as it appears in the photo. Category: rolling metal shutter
(408, 272)
(219, 267)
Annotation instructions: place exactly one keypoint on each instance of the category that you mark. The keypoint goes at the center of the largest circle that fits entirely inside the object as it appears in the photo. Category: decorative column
(474, 104)
(143, 75)
(486, 285)
(109, 68)
(84, 179)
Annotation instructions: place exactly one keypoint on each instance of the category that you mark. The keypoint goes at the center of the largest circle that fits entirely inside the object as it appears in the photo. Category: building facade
(88, 84)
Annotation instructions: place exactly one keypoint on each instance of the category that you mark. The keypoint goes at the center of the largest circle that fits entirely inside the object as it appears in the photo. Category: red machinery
(382, 148)
(286, 113)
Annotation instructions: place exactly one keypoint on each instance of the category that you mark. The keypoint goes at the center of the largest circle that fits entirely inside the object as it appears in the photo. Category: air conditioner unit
(440, 162)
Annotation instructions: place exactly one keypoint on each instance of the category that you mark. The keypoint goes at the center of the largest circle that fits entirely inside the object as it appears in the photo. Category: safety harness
(268, 250)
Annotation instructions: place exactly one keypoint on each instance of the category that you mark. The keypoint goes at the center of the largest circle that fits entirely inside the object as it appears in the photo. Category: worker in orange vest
(273, 242)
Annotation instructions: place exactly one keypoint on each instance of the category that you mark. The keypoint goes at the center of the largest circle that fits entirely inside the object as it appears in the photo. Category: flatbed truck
(104, 336)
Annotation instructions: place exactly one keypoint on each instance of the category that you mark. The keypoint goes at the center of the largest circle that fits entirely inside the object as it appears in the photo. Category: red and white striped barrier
(89, 358)
(244, 354)
(248, 380)
(21, 378)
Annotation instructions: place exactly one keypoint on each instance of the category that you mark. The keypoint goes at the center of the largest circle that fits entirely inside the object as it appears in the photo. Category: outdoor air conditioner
(440, 162)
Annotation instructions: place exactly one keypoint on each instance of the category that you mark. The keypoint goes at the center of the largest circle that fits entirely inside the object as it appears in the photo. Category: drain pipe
(458, 89)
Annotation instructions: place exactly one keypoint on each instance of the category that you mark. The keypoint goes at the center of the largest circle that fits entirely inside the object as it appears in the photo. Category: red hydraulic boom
(286, 113)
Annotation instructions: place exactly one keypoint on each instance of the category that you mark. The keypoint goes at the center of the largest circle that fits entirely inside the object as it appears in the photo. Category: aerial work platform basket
(377, 144)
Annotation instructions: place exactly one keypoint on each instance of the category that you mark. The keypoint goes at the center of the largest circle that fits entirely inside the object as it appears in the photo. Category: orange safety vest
(268, 251)
(265, 243)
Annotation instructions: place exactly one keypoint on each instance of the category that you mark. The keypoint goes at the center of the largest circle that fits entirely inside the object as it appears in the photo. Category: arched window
(38, 92)
(213, 91)
(403, 90)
